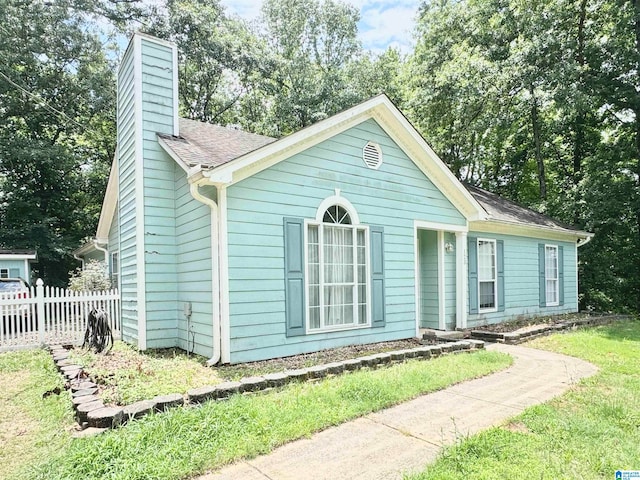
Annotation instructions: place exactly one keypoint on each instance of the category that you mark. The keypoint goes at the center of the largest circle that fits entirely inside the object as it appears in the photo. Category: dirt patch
(517, 427)
(234, 372)
(527, 324)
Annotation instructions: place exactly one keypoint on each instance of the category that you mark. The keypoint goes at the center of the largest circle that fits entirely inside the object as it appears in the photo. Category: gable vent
(372, 155)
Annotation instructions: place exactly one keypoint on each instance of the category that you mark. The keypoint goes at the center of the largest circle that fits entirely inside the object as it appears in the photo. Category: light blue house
(17, 263)
(351, 231)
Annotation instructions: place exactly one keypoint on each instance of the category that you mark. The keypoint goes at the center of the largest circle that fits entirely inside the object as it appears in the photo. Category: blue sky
(382, 22)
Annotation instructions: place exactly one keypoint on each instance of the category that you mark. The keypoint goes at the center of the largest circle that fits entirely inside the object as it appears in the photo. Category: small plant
(94, 277)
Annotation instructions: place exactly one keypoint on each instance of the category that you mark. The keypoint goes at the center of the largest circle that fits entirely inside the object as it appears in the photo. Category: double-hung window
(487, 274)
(4, 273)
(551, 274)
(337, 272)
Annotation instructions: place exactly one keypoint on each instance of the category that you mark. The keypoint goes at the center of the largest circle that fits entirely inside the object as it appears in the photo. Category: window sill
(555, 304)
(487, 310)
(337, 329)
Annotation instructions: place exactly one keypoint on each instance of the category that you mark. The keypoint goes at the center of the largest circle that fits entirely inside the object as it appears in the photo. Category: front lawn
(191, 440)
(588, 433)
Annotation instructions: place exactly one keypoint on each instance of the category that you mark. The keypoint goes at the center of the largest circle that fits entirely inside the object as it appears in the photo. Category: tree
(57, 99)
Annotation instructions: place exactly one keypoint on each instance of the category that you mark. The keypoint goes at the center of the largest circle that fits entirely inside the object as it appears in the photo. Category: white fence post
(40, 309)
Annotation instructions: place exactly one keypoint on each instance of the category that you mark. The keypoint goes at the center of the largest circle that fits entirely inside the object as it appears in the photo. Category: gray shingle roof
(504, 210)
(212, 145)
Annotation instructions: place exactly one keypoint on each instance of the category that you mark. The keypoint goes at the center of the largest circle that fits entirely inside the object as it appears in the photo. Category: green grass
(31, 427)
(588, 433)
(188, 441)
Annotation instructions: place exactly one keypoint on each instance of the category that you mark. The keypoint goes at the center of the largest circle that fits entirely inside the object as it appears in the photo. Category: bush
(93, 277)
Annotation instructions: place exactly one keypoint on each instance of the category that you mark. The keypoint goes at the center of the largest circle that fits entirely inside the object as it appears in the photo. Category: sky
(382, 23)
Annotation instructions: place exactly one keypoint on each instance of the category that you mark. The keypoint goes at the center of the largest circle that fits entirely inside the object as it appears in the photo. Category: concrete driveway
(406, 437)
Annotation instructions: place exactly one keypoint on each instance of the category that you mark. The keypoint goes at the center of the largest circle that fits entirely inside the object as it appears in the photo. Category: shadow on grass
(624, 330)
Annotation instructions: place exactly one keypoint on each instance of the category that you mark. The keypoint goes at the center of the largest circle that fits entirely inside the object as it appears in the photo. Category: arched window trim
(337, 200)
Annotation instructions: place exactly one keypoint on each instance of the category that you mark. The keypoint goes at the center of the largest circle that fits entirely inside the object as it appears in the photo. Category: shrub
(93, 277)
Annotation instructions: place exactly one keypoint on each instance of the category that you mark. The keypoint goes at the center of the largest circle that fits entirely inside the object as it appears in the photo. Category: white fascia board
(390, 119)
(533, 231)
(17, 256)
(109, 203)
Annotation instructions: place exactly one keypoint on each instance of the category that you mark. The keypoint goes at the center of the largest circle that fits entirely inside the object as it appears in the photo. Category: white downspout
(80, 259)
(215, 283)
(107, 260)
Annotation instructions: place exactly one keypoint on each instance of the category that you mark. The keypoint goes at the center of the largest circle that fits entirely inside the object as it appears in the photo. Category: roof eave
(529, 230)
(109, 203)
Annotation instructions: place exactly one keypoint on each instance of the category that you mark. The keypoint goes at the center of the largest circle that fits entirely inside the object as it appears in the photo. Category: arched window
(337, 271)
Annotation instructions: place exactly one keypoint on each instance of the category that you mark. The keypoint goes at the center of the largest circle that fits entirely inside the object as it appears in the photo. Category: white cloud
(383, 23)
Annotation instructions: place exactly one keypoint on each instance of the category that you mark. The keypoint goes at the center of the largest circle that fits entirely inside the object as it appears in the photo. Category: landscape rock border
(528, 333)
(95, 417)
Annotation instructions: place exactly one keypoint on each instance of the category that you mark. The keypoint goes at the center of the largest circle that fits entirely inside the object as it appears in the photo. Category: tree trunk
(537, 143)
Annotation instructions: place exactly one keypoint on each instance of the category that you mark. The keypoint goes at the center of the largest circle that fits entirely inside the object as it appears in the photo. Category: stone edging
(93, 415)
(524, 334)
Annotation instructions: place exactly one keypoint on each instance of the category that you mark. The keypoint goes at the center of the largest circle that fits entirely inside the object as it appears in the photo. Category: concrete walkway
(405, 438)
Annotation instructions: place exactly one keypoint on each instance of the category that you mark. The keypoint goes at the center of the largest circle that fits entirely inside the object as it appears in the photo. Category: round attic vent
(372, 155)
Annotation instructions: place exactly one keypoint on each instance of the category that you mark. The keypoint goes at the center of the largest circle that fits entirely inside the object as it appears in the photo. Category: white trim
(533, 231)
(223, 260)
(152, 39)
(216, 335)
(441, 280)
(462, 280)
(27, 271)
(341, 201)
(176, 100)
(18, 256)
(387, 115)
(424, 225)
(139, 191)
(495, 274)
(110, 200)
(416, 272)
(557, 279)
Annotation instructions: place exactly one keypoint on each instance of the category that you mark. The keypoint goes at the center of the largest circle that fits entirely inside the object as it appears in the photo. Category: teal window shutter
(473, 274)
(377, 276)
(561, 275)
(294, 276)
(500, 260)
(14, 272)
(542, 281)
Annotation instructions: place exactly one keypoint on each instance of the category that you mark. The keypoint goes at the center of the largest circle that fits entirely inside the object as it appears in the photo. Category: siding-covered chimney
(147, 105)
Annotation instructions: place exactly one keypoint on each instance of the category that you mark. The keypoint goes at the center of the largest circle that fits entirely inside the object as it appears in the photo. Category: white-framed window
(115, 269)
(487, 275)
(337, 252)
(551, 275)
(4, 273)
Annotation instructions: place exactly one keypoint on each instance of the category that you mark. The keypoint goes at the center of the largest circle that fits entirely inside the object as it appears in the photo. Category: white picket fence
(51, 315)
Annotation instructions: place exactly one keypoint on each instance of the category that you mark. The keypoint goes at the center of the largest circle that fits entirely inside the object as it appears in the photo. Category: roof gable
(390, 119)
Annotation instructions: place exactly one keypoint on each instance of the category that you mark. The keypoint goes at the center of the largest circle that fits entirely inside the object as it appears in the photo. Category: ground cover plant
(588, 433)
(191, 440)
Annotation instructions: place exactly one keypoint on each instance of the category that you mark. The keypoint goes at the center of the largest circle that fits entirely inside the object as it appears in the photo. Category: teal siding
(159, 197)
(12, 266)
(450, 283)
(428, 244)
(193, 255)
(521, 281)
(391, 197)
(126, 211)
